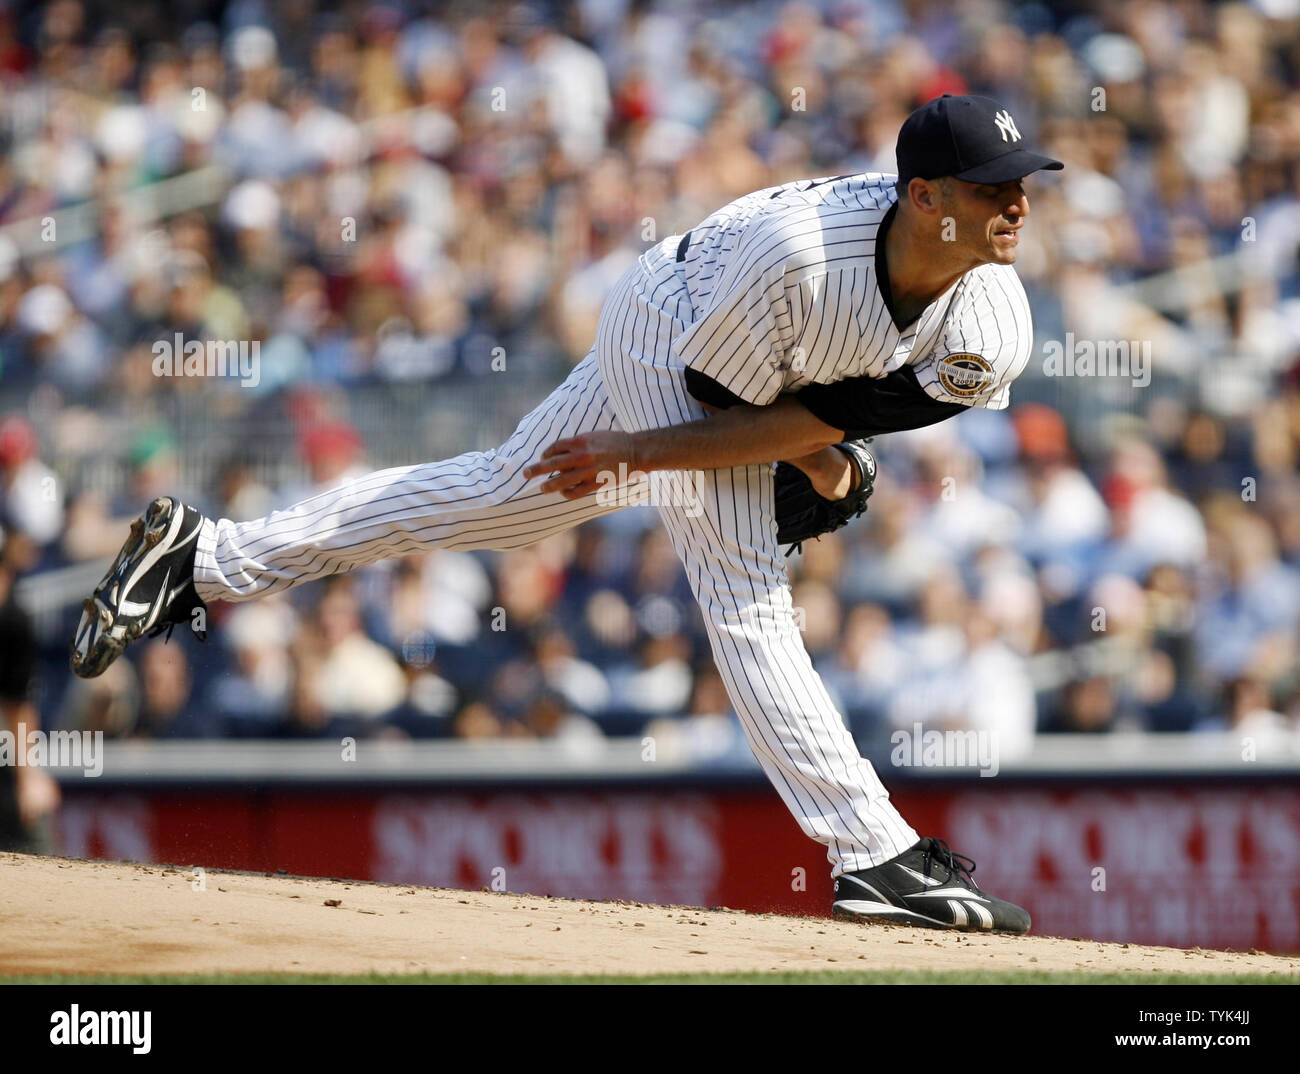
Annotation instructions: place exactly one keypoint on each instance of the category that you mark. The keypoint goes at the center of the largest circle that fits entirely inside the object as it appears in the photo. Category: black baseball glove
(801, 514)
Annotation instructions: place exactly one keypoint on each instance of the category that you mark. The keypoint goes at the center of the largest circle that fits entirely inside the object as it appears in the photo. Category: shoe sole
(860, 910)
(100, 638)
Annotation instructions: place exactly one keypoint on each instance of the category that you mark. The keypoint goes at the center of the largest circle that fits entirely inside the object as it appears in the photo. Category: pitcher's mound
(60, 916)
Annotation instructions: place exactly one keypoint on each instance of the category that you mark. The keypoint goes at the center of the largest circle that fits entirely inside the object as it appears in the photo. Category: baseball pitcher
(784, 329)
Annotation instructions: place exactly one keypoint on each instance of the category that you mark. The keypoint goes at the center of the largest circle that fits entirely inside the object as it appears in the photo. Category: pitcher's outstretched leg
(175, 560)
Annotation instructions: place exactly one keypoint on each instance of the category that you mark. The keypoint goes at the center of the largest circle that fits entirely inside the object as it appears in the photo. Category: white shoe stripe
(958, 912)
(928, 881)
(861, 906)
(151, 557)
(947, 893)
(168, 544)
(159, 603)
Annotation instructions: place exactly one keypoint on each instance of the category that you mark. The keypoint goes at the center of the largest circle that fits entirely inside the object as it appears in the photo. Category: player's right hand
(581, 465)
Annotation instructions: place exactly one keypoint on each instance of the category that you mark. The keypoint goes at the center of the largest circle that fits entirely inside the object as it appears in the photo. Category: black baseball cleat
(928, 885)
(150, 586)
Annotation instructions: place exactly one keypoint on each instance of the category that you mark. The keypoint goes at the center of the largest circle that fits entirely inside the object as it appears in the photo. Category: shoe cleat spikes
(98, 610)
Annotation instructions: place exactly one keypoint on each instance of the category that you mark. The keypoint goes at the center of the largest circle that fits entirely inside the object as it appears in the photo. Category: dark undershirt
(860, 406)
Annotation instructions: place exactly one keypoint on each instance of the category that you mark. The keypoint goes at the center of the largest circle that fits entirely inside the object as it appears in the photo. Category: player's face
(989, 218)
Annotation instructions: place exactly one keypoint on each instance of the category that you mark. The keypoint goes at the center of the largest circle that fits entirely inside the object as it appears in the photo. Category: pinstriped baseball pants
(724, 532)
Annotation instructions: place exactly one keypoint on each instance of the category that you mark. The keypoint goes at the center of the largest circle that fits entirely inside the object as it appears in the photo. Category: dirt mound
(65, 916)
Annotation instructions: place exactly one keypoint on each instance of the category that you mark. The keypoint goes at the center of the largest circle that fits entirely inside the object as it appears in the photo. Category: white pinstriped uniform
(781, 269)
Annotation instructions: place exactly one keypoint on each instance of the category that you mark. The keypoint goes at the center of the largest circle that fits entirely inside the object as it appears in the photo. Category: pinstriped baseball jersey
(785, 289)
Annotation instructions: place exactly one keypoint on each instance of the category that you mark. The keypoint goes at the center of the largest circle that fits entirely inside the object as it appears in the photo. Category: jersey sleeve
(985, 343)
(738, 342)
(766, 333)
(871, 406)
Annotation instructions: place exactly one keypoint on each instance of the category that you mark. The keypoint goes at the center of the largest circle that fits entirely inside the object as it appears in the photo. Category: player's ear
(925, 195)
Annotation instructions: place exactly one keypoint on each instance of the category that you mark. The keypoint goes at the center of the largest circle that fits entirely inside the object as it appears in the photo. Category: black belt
(683, 246)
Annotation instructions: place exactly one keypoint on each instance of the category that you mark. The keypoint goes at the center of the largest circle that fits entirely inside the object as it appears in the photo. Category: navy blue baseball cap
(970, 138)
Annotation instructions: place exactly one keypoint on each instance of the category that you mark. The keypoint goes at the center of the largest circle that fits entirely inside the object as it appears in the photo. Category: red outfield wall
(1185, 865)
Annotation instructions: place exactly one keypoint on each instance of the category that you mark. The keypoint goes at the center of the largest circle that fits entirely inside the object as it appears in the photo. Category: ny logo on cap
(1006, 125)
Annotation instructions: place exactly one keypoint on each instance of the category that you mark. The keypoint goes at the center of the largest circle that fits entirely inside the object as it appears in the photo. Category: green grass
(817, 977)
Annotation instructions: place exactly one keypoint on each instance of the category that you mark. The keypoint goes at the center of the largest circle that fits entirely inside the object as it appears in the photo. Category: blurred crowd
(395, 194)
